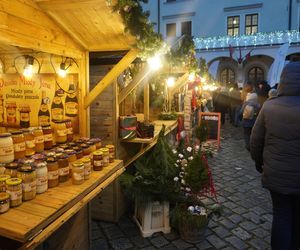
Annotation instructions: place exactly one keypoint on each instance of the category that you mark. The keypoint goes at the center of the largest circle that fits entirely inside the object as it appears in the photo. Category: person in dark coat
(235, 101)
(275, 148)
(221, 103)
(262, 91)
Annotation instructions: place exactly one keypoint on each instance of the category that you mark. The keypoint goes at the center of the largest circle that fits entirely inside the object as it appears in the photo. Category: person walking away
(235, 104)
(249, 112)
(222, 103)
(262, 91)
(275, 148)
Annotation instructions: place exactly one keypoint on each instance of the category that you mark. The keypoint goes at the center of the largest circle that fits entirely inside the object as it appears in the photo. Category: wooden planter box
(152, 217)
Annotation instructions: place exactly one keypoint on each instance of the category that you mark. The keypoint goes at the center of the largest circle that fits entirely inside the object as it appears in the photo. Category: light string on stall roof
(29, 61)
(70, 64)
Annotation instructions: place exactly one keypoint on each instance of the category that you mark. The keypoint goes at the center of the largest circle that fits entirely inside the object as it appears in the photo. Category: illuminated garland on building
(278, 37)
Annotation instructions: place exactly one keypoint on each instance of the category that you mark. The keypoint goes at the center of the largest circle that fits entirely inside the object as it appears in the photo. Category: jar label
(19, 147)
(24, 117)
(53, 175)
(78, 176)
(44, 108)
(15, 195)
(39, 139)
(30, 144)
(48, 137)
(87, 171)
(64, 171)
(57, 114)
(44, 120)
(4, 207)
(28, 187)
(98, 163)
(43, 180)
(69, 131)
(61, 132)
(7, 150)
(71, 108)
(106, 159)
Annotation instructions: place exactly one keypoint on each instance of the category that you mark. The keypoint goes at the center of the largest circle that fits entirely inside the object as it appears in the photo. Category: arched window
(256, 75)
(227, 76)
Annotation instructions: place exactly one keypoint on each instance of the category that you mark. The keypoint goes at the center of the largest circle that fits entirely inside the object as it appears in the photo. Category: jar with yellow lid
(38, 139)
(3, 178)
(53, 173)
(28, 175)
(77, 173)
(97, 160)
(29, 142)
(11, 169)
(19, 144)
(111, 149)
(48, 136)
(105, 156)
(87, 167)
(60, 132)
(4, 202)
(14, 189)
(6, 148)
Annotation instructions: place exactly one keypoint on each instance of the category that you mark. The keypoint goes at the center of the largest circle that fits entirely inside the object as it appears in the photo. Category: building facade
(239, 39)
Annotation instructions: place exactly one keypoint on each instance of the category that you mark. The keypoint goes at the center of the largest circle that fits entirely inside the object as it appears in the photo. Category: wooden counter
(35, 220)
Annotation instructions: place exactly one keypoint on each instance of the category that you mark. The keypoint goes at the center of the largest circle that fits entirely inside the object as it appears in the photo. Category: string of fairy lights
(258, 39)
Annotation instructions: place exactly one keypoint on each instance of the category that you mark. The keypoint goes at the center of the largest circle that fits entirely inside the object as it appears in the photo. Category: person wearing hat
(275, 148)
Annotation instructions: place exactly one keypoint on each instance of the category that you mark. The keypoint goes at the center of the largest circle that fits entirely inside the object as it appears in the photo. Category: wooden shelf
(34, 217)
(170, 125)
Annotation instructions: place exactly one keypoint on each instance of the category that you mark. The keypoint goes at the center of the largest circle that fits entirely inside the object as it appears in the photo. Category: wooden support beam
(110, 76)
(136, 81)
(181, 81)
(146, 102)
(57, 5)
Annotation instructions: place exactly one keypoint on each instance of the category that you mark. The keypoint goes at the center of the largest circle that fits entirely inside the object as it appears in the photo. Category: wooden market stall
(52, 32)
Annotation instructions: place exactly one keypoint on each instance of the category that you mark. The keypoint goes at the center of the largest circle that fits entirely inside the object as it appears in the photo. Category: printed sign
(213, 123)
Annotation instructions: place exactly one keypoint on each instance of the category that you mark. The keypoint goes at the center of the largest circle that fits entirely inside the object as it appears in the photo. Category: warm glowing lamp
(170, 82)
(62, 70)
(155, 62)
(28, 68)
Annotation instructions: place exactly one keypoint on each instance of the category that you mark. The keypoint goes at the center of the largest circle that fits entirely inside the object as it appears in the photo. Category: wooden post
(84, 117)
(146, 102)
(110, 76)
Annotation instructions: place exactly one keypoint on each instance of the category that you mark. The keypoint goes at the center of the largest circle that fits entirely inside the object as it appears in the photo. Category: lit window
(256, 75)
(233, 25)
(227, 76)
(171, 30)
(251, 24)
(186, 28)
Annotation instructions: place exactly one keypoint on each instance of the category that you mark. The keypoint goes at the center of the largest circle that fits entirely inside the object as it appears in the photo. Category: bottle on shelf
(44, 114)
(57, 107)
(71, 101)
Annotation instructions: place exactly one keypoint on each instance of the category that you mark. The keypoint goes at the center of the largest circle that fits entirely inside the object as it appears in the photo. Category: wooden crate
(110, 204)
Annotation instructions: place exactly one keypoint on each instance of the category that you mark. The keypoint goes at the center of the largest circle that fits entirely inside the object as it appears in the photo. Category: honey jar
(6, 148)
(77, 173)
(14, 189)
(63, 167)
(29, 142)
(97, 160)
(4, 202)
(105, 156)
(60, 132)
(48, 136)
(38, 139)
(53, 173)
(19, 144)
(28, 175)
(111, 149)
(87, 167)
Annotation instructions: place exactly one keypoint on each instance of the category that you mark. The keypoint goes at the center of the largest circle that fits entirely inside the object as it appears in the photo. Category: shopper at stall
(221, 103)
(249, 112)
(262, 91)
(235, 104)
(275, 148)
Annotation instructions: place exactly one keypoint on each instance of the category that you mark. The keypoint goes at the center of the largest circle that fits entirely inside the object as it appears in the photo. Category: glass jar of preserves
(48, 137)
(69, 130)
(92, 146)
(60, 132)
(77, 173)
(97, 160)
(53, 173)
(14, 189)
(85, 149)
(111, 149)
(11, 112)
(87, 167)
(29, 142)
(97, 142)
(28, 175)
(19, 144)
(63, 167)
(71, 155)
(6, 148)
(3, 178)
(38, 139)
(4, 202)
(11, 169)
(105, 156)
(41, 177)
(24, 116)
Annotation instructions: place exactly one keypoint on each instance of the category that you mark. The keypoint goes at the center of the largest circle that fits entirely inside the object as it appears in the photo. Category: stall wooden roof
(63, 27)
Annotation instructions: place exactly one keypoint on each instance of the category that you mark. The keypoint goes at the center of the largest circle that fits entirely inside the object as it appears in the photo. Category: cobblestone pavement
(244, 224)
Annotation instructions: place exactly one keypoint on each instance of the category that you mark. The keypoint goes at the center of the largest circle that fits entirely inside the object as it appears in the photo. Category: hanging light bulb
(28, 68)
(170, 82)
(155, 62)
(62, 70)
(192, 77)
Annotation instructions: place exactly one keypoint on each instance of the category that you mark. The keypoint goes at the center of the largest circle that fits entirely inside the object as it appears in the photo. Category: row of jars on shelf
(26, 142)
(21, 180)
